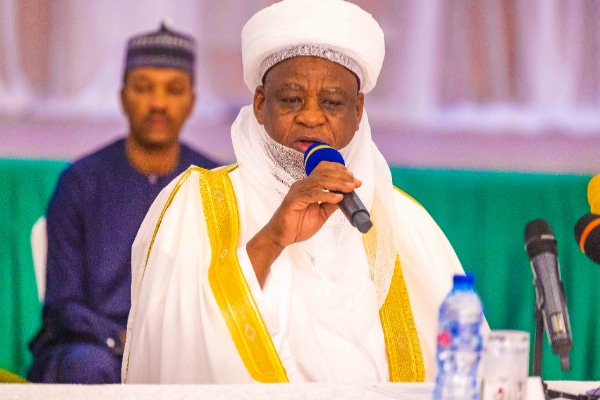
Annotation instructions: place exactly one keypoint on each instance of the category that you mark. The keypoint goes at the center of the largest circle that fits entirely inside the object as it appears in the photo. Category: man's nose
(311, 114)
(159, 100)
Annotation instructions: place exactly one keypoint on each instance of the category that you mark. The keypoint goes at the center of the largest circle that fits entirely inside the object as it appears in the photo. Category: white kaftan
(322, 304)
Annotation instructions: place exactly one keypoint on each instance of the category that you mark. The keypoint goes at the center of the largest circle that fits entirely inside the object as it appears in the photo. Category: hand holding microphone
(351, 205)
(305, 209)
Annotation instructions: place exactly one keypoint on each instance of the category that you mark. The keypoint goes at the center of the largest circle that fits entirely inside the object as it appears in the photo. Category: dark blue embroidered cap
(164, 48)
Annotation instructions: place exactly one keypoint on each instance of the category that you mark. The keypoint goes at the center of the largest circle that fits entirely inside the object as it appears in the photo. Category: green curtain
(26, 186)
(483, 213)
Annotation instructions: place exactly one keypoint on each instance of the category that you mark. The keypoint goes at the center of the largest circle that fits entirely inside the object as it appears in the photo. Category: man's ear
(192, 104)
(122, 97)
(360, 103)
(259, 103)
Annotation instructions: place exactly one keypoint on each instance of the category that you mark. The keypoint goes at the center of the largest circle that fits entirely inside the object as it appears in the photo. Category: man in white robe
(250, 273)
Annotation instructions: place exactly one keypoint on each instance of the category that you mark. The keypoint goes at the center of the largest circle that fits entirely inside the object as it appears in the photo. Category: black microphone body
(356, 212)
(550, 293)
(351, 205)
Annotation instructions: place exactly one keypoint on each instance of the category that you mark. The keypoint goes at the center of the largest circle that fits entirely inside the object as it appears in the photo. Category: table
(309, 391)
(572, 387)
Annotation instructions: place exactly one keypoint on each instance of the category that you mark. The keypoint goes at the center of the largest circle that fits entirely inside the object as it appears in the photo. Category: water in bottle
(459, 342)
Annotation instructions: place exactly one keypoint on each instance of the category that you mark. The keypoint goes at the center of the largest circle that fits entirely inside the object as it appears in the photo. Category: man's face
(157, 103)
(309, 99)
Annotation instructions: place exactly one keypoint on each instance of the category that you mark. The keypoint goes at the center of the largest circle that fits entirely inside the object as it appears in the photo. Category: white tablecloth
(572, 387)
(311, 391)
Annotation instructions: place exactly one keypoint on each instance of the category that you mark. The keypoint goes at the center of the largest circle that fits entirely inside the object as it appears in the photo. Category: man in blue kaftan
(97, 208)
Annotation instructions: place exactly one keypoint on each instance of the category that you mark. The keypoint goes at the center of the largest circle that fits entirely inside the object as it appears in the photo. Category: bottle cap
(464, 280)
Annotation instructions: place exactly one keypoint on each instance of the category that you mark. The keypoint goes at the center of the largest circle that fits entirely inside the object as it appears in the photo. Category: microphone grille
(320, 151)
(539, 238)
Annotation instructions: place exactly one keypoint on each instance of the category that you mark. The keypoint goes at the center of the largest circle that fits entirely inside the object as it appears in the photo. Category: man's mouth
(158, 120)
(302, 145)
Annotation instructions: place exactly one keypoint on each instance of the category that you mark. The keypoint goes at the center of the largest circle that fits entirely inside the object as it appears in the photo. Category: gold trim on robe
(405, 358)
(228, 284)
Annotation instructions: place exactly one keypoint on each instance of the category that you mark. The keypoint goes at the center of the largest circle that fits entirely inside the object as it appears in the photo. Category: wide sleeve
(176, 333)
(67, 316)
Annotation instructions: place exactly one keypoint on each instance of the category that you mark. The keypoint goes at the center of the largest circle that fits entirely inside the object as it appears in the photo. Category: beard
(287, 160)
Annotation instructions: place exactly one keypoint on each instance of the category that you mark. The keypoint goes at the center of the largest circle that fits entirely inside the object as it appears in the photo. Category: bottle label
(444, 338)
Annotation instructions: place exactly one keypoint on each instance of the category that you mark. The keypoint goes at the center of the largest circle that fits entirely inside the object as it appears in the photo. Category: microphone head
(539, 238)
(320, 151)
(587, 235)
(593, 194)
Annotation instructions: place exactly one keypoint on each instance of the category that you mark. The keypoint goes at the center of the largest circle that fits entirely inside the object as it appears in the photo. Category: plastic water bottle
(459, 342)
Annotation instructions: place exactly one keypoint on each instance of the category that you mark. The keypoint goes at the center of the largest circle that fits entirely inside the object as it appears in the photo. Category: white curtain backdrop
(448, 61)
(480, 66)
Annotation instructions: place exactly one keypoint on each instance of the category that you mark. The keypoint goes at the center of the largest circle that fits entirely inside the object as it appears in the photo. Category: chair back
(39, 248)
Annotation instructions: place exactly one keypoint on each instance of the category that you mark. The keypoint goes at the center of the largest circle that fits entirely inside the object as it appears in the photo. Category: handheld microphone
(587, 235)
(550, 293)
(350, 205)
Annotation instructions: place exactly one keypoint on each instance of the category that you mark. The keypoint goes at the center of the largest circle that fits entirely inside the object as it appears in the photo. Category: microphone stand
(550, 394)
(539, 341)
(538, 346)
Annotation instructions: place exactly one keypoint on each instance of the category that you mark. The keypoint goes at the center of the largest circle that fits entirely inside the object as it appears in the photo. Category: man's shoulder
(220, 172)
(102, 157)
(410, 209)
(181, 194)
(192, 173)
(99, 163)
(406, 198)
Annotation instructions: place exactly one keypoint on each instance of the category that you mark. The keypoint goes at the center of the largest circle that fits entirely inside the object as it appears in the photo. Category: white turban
(337, 30)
